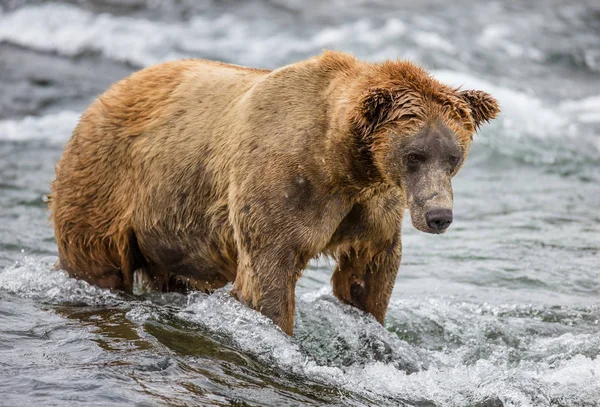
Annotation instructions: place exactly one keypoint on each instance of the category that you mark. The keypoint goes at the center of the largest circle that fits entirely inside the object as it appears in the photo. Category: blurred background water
(502, 310)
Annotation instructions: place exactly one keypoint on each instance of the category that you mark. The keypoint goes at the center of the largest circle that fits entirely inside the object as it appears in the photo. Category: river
(503, 310)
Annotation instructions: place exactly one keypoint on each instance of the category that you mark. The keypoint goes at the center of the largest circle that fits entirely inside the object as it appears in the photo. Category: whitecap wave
(256, 334)
(69, 30)
(586, 110)
(55, 128)
(533, 130)
(482, 353)
(445, 377)
(36, 278)
(522, 114)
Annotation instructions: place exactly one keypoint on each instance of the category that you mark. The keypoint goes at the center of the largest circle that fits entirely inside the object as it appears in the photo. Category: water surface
(502, 310)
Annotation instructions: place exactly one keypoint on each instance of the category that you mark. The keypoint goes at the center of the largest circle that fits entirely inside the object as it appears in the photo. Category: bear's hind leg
(103, 277)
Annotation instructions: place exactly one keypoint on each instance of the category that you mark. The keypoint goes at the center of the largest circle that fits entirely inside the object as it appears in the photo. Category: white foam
(522, 114)
(551, 368)
(494, 33)
(433, 41)
(369, 33)
(36, 278)
(498, 37)
(526, 117)
(251, 330)
(69, 30)
(567, 346)
(55, 128)
(449, 381)
(586, 110)
(256, 334)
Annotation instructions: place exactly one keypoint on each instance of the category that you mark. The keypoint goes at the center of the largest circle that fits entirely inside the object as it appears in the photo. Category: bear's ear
(483, 106)
(373, 109)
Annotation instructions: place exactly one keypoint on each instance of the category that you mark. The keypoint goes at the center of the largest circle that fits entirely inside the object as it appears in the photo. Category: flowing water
(503, 310)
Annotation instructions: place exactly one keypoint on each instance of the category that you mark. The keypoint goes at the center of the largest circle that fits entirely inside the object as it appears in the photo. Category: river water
(503, 310)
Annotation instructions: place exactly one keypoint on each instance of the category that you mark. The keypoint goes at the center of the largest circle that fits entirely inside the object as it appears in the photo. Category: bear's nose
(439, 219)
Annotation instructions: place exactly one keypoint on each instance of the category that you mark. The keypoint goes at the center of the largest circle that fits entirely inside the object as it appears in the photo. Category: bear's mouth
(434, 221)
(420, 226)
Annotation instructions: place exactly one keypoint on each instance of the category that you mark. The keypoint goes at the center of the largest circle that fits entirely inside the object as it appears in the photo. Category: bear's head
(418, 132)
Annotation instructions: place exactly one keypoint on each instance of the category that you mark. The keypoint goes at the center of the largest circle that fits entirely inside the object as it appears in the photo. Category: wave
(522, 114)
(526, 129)
(53, 128)
(36, 278)
(534, 130)
(260, 41)
(586, 110)
(70, 31)
(530, 127)
(433, 351)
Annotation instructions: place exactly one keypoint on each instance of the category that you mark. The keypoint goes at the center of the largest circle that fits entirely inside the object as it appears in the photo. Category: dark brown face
(423, 164)
(420, 133)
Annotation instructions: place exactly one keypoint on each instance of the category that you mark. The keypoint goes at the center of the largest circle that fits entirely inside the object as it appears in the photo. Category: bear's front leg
(365, 280)
(266, 282)
(279, 225)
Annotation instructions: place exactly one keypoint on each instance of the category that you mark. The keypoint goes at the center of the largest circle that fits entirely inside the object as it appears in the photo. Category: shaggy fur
(197, 173)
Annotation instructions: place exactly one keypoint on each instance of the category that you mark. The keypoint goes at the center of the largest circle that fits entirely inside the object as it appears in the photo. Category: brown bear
(196, 173)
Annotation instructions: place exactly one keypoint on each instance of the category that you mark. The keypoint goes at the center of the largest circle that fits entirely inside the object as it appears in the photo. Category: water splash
(52, 128)
(432, 351)
(37, 279)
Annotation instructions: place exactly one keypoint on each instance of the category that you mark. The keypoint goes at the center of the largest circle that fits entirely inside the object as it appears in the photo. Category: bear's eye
(408, 117)
(454, 160)
(413, 160)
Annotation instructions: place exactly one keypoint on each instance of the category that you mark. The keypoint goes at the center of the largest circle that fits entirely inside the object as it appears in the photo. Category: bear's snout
(439, 219)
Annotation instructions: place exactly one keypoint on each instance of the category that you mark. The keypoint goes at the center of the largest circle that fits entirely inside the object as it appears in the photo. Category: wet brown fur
(202, 173)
